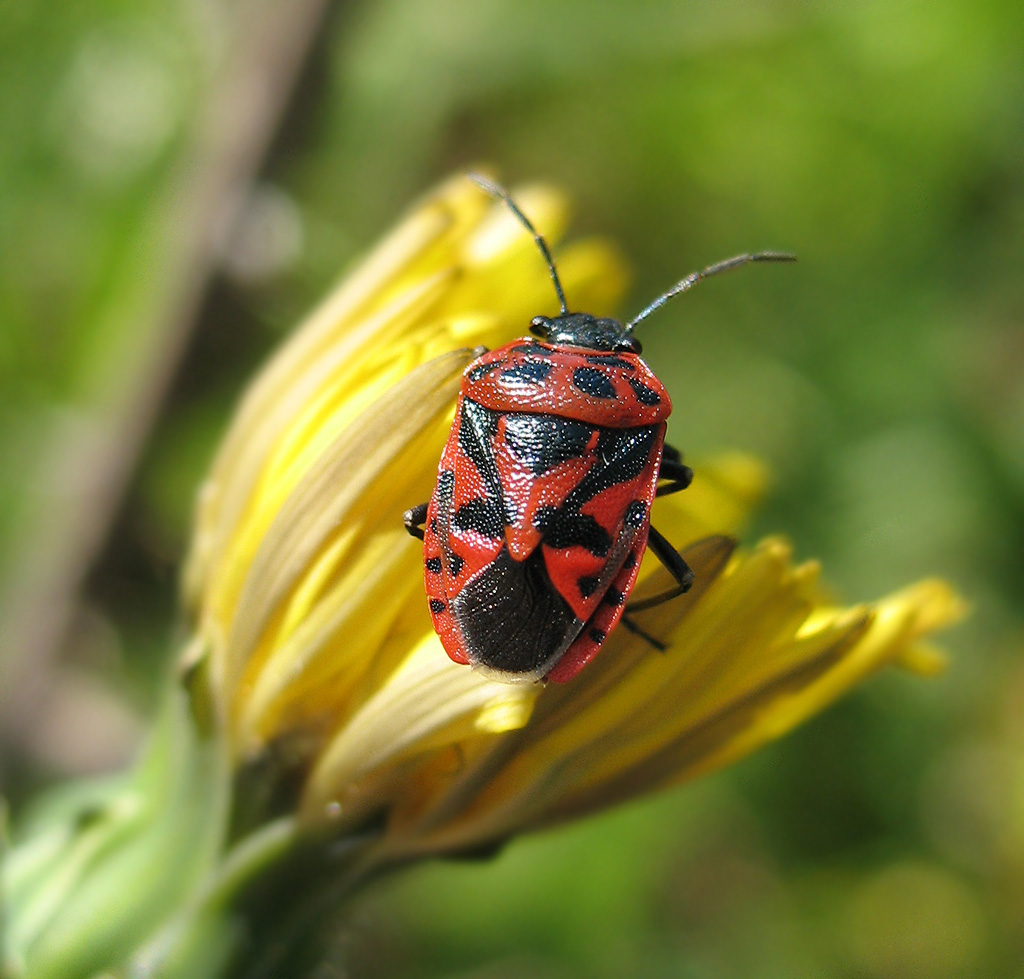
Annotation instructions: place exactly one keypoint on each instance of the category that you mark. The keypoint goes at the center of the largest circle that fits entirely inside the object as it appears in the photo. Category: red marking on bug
(556, 394)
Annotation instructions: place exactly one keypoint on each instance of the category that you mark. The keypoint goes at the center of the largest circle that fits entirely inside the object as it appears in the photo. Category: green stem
(199, 940)
(109, 864)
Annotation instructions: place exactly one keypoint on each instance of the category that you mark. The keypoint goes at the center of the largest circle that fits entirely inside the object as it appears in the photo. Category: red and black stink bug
(541, 512)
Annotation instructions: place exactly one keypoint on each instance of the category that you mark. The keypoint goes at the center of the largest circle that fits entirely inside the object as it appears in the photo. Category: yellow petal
(427, 704)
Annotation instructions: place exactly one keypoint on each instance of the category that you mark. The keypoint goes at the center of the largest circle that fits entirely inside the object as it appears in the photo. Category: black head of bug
(584, 330)
(604, 333)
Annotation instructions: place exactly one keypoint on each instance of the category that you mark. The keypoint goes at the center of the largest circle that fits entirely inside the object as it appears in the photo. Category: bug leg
(629, 624)
(674, 564)
(414, 518)
(677, 475)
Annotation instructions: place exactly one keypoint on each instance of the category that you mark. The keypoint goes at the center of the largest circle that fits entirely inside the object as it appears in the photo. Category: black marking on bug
(593, 382)
(508, 507)
(481, 371)
(588, 585)
(610, 360)
(437, 606)
(644, 394)
(614, 598)
(455, 564)
(445, 487)
(433, 565)
(484, 516)
(526, 373)
(542, 442)
(511, 618)
(597, 635)
(477, 429)
(635, 514)
(630, 561)
(569, 529)
(433, 525)
(543, 517)
(533, 348)
(477, 426)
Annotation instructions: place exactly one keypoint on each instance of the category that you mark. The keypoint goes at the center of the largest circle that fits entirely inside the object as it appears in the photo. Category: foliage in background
(883, 381)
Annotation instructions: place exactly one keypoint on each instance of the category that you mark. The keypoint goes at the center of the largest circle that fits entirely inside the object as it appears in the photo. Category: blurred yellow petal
(321, 505)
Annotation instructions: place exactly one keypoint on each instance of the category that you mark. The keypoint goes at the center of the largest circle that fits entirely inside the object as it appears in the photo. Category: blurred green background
(179, 182)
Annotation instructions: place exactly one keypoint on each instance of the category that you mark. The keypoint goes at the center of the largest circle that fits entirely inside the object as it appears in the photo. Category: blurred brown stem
(85, 467)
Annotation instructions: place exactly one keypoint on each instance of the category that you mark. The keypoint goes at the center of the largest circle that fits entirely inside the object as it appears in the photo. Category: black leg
(674, 564)
(414, 518)
(676, 475)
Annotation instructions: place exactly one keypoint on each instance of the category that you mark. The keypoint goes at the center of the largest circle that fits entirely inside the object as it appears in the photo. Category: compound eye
(632, 345)
(540, 326)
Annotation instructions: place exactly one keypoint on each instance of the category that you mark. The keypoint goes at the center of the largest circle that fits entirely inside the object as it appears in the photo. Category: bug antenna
(694, 277)
(501, 194)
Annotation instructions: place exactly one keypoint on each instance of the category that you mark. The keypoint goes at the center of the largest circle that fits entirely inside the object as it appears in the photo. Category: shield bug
(541, 512)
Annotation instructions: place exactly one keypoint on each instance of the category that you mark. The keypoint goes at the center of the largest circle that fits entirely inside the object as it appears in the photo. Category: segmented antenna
(500, 193)
(694, 277)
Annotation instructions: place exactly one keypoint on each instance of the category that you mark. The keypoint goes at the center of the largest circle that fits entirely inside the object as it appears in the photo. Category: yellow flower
(313, 641)
(329, 735)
